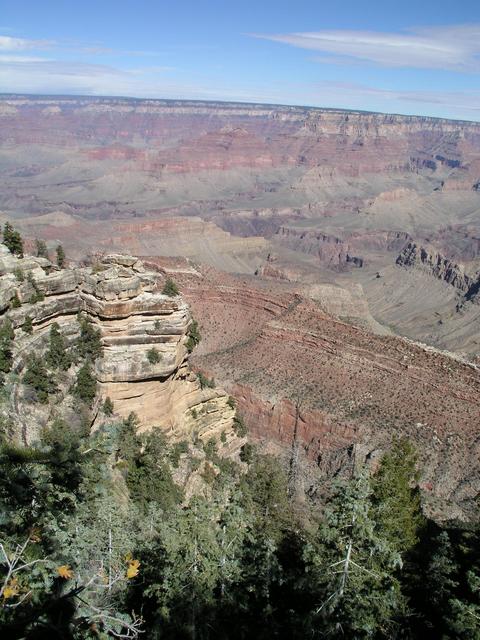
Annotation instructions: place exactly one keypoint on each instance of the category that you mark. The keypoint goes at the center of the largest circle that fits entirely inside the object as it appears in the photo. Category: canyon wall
(124, 302)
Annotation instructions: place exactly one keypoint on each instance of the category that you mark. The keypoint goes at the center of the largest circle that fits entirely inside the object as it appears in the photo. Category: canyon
(331, 258)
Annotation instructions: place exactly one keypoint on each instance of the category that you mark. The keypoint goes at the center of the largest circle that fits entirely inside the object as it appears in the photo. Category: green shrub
(108, 406)
(37, 295)
(177, 450)
(60, 256)
(247, 453)
(194, 336)
(7, 336)
(205, 382)
(85, 387)
(12, 240)
(15, 302)
(19, 275)
(41, 250)
(170, 288)
(28, 325)
(58, 356)
(38, 378)
(239, 426)
(154, 356)
(89, 344)
(210, 449)
(231, 402)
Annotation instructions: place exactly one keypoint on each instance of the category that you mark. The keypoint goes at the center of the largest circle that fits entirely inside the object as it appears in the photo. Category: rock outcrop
(124, 302)
(433, 263)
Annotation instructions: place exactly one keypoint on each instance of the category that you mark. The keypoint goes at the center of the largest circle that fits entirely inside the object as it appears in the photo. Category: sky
(419, 57)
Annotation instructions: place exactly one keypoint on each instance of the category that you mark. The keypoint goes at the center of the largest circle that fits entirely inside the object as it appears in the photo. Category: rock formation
(124, 301)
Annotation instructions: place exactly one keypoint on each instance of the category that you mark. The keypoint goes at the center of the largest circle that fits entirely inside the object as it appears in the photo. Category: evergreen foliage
(205, 383)
(85, 387)
(28, 325)
(37, 295)
(58, 356)
(170, 288)
(90, 343)
(15, 302)
(193, 336)
(12, 240)
(19, 275)
(7, 336)
(108, 406)
(154, 356)
(41, 250)
(39, 379)
(60, 253)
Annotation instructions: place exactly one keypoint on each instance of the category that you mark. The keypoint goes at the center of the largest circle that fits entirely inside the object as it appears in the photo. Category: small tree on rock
(60, 256)
(170, 288)
(12, 240)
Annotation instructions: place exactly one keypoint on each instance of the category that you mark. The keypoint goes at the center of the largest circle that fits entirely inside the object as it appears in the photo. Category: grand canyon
(331, 258)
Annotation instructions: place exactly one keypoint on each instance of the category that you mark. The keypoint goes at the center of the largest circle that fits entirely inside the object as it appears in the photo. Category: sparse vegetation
(15, 302)
(28, 325)
(90, 343)
(239, 426)
(58, 355)
(41, 250)
(60, 253)
(205, 383)
(12, 240)
(85, 387)
(37, 295)
(154, 356)
(170, 288)
(39, 379)
(108, 406)
(193, 336)
(19, 275)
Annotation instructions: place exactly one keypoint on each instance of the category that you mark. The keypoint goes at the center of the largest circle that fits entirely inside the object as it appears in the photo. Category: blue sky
(404, 57)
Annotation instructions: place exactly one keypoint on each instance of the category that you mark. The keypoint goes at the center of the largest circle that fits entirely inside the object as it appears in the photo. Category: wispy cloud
(7, 43)
(455, 47)
(358, 95)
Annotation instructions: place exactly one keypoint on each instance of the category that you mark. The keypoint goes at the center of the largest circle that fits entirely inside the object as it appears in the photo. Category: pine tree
(396, 497)
(358, 591)
(7, 336)
(170, 288)
(37, 377)
(41, 249)
(60, 256)
(89, 344)
(108, 406)
(12, 240)
(28, 325)
(85, 386)
(57, 355)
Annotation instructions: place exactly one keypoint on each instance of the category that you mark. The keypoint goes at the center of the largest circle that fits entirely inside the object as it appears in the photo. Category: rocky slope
(124, 302)
(336, 392)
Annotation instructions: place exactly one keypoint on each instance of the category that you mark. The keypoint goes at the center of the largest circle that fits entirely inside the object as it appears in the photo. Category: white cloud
(7, 43)
(455, 47)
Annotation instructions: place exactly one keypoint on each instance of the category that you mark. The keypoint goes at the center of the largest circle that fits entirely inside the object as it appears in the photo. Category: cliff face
(123, 301)
(337, 392)
(433, 263)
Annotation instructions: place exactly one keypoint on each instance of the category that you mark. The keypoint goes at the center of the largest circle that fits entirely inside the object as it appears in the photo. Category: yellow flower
(11, 589)
(132, 570)
(65, 571)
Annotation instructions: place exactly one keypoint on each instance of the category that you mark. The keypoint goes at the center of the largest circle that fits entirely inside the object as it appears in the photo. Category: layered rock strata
(123, 300)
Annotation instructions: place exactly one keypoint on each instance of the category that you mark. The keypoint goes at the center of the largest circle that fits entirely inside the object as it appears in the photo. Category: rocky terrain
(123, 301)
(336, 196)
(337, 394)
(333, 262)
